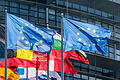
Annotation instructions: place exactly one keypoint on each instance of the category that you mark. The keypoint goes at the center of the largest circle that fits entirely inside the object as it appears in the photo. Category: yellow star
(93, 43)
(98, 39)
(97, 36)
(82, 28)
(41, 31)
(43, 37)
(94, 31)
(89, 45)
(78, 28)
(78, 34)
(36, 44)
(88, 28)
(36, 28)
(97, 44)
(26, 24)
(32, 25)
(22, 27)
(79, 39)
(26, 42)
(84, 43)
(41, 41)
(21, 32)
(31, 44)
(22, 38)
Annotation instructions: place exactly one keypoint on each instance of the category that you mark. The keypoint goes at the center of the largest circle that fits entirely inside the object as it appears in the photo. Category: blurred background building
(105, 13)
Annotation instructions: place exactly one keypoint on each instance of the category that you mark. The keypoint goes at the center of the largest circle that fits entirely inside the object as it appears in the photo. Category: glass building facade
(105, 13)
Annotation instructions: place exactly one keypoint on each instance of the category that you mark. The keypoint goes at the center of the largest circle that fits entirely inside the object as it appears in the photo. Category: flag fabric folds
(76, 55)
(42, 75)
(41, 63)
(30, 58)
(56, 49)
(19, 63)
(22, 34)
(10, 74)
(84, 36)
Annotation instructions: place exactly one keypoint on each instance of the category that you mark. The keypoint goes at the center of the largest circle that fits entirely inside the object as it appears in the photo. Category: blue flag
(85, 36)
(22, 34)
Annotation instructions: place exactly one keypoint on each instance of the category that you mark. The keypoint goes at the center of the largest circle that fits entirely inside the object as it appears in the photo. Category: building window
(91, 78)
(33, 8)
(83, 8)
(23, 6)
(77, 76)
(111, 27)
(98, 12)
(83, 19)
(14, 10)
(76, 6)
(91, 10)
(98, 23)
(51, 22)
(2, 8)
(104, 14)
(51, 11)
(112, 55)
(41, 21)
(110, 16)
(51, 17)
(85, 77)
(14, 4)
(70, 4)
(2, 2)
(42, 15)
(116, 18)
(76, 18)
(32, 13)
(118, 51)
(90, 21)
(111, 49)
(118, 57)
(60, 2)
(117, 35)
(24, 12)
(42, 10)
(105, 25)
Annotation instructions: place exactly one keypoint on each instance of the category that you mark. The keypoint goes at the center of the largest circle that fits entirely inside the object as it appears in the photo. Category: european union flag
(85, 36)
(22, 34)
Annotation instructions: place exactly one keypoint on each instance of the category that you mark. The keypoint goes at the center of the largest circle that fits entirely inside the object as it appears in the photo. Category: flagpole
(27, 73)
(62, 61)
(47, 53)
(37, 68)
(5, 43)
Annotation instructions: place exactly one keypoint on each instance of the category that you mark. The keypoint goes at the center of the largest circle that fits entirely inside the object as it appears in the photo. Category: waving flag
(41, 64)
(10, 74)
(76, 55)
(27, 58)
(56, 49)
(42, 75)
(22, 34)
(85, 36)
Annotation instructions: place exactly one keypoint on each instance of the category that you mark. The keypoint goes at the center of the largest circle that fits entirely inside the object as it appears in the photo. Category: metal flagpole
(47, 53)
(5, 43)
(37, 65)
(62, 64)
(27, 73)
